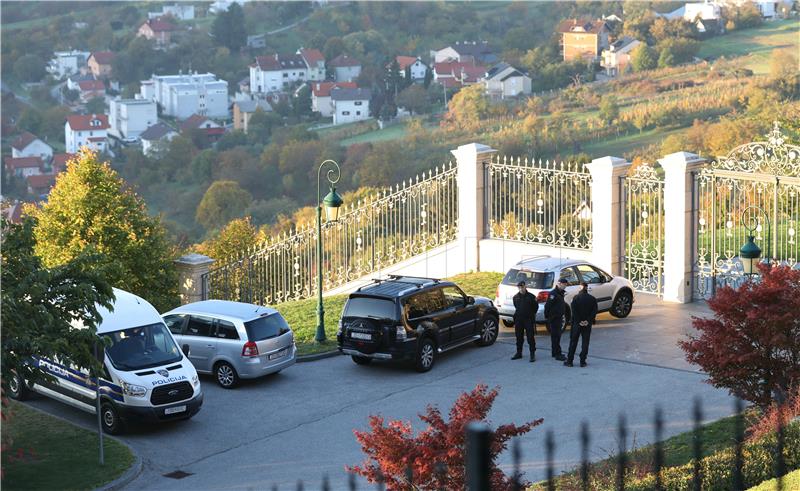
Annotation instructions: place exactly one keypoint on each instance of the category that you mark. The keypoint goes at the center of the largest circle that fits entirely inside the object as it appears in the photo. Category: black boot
(517, 356)
(533, 357)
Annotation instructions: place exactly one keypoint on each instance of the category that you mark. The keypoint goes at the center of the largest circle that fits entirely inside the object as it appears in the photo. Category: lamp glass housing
(333, 204)
(749, 254)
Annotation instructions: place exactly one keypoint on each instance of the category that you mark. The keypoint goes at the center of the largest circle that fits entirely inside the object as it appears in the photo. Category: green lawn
(391, 133)
(628, 143)
(756, 43)
(57, 454)
(302, 314)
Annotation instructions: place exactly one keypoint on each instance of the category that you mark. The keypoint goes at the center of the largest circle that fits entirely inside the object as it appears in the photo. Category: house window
(359, 103)
(345, 113)
(358, 113)
(285, 75)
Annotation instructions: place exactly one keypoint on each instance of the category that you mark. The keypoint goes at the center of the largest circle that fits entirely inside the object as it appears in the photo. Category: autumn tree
(468, 107)
(644, 57)
(232, 240)
(392, 448)
(752, 344)
(90, 209)
(223, 201)
(609, 109)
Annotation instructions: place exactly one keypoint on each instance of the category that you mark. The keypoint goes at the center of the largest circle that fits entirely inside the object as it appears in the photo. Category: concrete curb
(317, 356)
(129, 475)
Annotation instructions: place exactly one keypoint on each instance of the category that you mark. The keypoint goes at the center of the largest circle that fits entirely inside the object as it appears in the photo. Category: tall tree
(229, 28)
(39, 305)
(644, 57)
(90, 209)
(223, 201)
(415, 99)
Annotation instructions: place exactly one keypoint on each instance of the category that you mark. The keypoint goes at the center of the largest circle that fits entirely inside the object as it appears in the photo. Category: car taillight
(250, 349)
(542, 296)
(497, 292)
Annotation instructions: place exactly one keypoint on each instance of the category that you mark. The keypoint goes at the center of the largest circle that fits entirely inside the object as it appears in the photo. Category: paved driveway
(299, 424)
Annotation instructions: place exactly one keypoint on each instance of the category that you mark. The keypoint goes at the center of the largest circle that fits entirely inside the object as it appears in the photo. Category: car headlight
(339, 330)
(195, 380)
(133, 390)
(401, 333)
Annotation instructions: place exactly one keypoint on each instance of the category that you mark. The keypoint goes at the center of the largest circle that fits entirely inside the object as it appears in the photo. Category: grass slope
(58, 455)
(790, 481)
(756, 43)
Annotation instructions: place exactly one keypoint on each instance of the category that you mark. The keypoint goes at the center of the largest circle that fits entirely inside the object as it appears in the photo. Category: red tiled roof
(405, 61)
(160, 25)
(580, 25)
(449, 82)
(41, 180)
(103, 57)
(193, 122)
(312, 56)
(81, 122)
(344, 61)
(13, 163)
(24, 140)
(323, 89)
(60, 161)
(268, 62)
(465, 72)
(93, 85)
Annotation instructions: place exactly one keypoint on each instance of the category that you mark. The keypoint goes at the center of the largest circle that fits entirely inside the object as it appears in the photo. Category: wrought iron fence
(547, 203)
(644, 229)
(739, 468)
(732, 191)
(387, 228)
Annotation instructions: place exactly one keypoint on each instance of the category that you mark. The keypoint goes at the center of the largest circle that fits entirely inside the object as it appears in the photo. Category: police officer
(525, 306)
(554, 311)
(584, 311)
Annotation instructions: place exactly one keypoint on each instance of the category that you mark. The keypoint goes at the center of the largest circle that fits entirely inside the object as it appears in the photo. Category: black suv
(411, 318)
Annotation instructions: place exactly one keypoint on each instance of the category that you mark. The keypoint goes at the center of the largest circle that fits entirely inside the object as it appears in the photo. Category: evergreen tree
(229, 28)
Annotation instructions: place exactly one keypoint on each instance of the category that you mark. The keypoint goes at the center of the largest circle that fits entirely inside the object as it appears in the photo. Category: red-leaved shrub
(752, 344)
(436, 455)
(774, 415)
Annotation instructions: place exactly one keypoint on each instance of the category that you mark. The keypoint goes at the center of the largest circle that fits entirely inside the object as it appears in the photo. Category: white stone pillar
(472, 219)
(678, 254)
(607, 200)
(191, 269)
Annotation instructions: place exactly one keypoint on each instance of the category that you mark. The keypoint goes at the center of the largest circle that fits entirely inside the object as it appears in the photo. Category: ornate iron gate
(644, 229)
(756, 184)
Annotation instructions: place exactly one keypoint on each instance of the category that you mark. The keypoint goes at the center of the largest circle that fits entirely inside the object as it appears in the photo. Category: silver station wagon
(233, 340)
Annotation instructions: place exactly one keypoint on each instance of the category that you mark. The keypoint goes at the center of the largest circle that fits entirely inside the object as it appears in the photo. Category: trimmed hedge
(717, 469)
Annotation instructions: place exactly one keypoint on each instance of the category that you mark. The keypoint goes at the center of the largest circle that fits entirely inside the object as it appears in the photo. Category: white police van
(146, 376)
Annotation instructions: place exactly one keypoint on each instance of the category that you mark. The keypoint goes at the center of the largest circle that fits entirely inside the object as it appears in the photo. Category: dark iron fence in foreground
(478, 460)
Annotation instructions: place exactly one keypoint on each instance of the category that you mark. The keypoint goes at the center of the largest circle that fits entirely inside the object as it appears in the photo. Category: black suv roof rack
(400, 276)
(416, 282)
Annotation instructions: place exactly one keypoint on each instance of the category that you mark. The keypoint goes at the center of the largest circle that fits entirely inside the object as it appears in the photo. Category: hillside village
(322, 88)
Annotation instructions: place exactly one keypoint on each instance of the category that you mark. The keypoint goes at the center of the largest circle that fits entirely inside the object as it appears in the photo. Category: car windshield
(266, 327)
(535, 280)
(142, 347)
(376, 308)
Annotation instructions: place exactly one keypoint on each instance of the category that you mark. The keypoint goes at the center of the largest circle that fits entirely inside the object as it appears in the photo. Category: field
(394, 132)
(756, 44)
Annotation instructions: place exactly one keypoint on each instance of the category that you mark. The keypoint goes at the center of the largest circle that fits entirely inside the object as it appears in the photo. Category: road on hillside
(299, 424)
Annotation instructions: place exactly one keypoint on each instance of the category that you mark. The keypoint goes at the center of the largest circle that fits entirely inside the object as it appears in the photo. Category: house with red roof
(315, 61)
(345, 68)
(29, 145)
(89, 130)
(458, 74)
(40, 184)
(89, 89)
(321, 95)
(59, 163)
(211, 128)
(24, 166)
(277, 72)
(581, 38)
(159, 30)
(99, 63)
(413, 65)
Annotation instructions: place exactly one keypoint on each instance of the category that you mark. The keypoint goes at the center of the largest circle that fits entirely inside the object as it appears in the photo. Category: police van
(147, 377)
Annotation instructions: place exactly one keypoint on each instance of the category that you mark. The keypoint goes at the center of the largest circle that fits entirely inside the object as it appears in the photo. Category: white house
(29, 145)
(345, 68)
(182, 95)
(703, 11)
(475, 52)
(128, 118)
(154, 134)
(315, 61)
(617, 57)
(24, 166)
(321, 95)
(65, 63)
(89, 130)
(503, 80)
(350, 105)
(181, 11)
(414, 65)
(276, 72)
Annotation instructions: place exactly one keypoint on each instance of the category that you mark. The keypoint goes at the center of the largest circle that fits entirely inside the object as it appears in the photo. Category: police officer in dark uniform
(584, 311)
(554, 311)
(525, 306)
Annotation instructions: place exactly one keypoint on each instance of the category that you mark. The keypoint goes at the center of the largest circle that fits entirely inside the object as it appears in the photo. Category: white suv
(614, 294)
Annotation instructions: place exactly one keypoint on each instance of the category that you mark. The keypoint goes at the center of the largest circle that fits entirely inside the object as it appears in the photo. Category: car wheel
(362, 360)
(226, 375)
(623, 303)
(508, 323)
(489, 331)
(426, 355)
(110, 420)
(17, 389)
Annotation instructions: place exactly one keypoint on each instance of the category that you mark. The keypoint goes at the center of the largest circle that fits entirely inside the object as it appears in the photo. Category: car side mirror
(470, 300)
(185, 349)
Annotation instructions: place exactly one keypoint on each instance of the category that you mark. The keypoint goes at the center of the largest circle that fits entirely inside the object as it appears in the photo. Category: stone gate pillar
(471, 160)
(607, 233)
(678, 215)
(191, 269)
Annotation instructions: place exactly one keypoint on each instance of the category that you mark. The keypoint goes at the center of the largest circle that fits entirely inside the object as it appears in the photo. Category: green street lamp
(332, 203)
(750, 253)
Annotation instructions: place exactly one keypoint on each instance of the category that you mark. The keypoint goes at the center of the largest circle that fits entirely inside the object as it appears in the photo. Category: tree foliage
(232, 240)
(392, 448)
(91, 210)
(40, 303)
(228, 28)
(609, 109)
(415, 99)
(752, 344)
(29, 68)
(467, 107)
(223, 201)
(643, 58)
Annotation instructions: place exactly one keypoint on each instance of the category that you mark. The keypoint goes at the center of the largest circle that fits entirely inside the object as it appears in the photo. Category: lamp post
(750, 253)
(332, 203)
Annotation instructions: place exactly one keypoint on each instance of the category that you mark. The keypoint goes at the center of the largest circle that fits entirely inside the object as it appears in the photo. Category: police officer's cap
(521, 283)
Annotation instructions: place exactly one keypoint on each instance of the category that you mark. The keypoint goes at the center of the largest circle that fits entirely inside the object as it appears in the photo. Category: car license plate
(174, 410)
(361, 335)
(278, 354)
